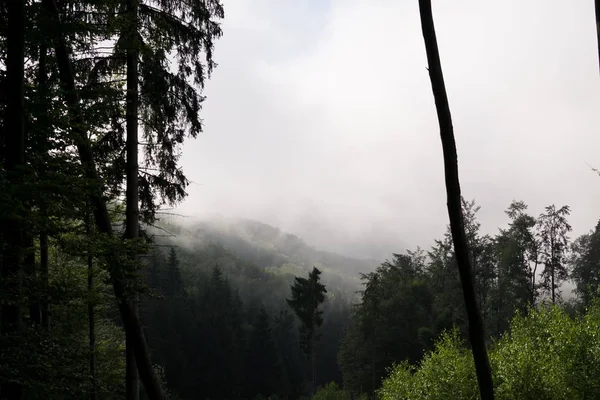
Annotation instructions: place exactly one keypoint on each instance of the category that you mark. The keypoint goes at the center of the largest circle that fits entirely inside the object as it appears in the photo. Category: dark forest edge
(218, 325)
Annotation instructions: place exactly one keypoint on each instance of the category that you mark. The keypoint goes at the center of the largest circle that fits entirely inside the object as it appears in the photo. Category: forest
(107, 293)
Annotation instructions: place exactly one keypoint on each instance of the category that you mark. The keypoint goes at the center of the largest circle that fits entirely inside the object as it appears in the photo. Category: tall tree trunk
(313, 363)
(33, 281)
(44, 279)
(552, 267)
(91, 319)
(132, 384)
(14, 159)
(44, 276)
(597, 6)
(476, 330)
(131, 321)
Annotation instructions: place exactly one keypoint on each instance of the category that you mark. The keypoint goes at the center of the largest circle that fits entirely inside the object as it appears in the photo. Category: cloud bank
(320, 119)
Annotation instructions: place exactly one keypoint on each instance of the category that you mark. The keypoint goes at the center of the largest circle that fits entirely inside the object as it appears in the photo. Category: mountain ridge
(265, 245)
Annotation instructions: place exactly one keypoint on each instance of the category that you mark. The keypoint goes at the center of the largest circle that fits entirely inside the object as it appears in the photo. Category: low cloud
(320, 118)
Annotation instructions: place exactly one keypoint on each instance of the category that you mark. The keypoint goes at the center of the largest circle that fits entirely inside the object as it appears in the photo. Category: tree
(597, 12)
(516, 253)
(13, 149)
(261, 358)
(585, 264)
(130, 318)
(552, 230)
(174, 285)
(132, 227)
(307, 296)
(461, 248)
(290, 359)
(392, 322)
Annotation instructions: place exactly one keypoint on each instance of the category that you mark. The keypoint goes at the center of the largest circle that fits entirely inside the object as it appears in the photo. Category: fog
(320, 120)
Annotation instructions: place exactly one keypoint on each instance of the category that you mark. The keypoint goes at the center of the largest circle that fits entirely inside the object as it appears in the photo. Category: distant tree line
(213, 343)
(411, 299)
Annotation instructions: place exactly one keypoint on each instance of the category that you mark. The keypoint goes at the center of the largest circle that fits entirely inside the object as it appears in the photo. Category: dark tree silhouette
(476, 330)
(597, 4)
(132, 227)
(307, 296)
(13, 142)
(131, 320)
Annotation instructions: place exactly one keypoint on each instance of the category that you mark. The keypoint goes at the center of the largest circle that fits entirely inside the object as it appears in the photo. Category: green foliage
(585, 263)
(331, 391)
(545, 355)
(392, 322)
(54, 363)
(552, 232)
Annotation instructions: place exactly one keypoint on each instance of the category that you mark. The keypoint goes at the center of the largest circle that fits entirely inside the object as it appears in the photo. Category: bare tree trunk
(44, 279)
(92, 328)
(476, 329)
(131, 321)
(535, 266)
(91, 319)
(552, 268)
(132, 229)
(32, 280)
(132, 379)
(14, 158)
(42, 82)
(597, 6)
(313, 362)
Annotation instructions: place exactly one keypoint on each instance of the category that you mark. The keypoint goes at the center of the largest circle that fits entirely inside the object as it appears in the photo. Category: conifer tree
(307, 296)
(174, 283)
(261, 358)
(13, 157)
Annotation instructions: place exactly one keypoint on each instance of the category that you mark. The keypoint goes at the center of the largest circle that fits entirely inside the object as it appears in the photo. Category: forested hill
(224, 285)
(264, 246)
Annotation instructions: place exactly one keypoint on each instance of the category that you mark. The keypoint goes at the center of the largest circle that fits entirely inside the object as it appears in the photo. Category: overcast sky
(320, 119)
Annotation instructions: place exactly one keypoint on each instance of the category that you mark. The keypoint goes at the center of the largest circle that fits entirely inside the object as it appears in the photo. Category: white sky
(320, 119)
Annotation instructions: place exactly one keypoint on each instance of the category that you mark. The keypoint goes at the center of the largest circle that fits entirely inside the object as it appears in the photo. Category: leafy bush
(546, 355)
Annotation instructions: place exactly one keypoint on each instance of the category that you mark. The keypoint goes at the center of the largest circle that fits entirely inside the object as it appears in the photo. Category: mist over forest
(317, 200)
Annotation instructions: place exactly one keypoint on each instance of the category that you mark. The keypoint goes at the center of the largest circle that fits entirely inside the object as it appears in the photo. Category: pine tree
(174, 284)
(261, 358)
(307, 296)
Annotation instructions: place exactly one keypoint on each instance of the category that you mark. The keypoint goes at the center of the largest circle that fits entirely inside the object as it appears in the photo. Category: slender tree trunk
(132, 380)
(131, 321)
(91, 321)
(476, 329)
(44, 279)
(34, 288)
(131, 213)
(14, 159)
(535, 266)
(44, 276)
(552, 267)
(597, 6)
(313, 361)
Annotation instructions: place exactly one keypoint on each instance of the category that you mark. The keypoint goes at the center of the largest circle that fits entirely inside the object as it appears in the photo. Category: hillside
(264, 246)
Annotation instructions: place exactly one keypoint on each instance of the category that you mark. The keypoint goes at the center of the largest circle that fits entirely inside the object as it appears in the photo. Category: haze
(320, 119)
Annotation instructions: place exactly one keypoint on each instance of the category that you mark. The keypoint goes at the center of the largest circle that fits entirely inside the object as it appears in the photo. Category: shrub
(546, 355)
